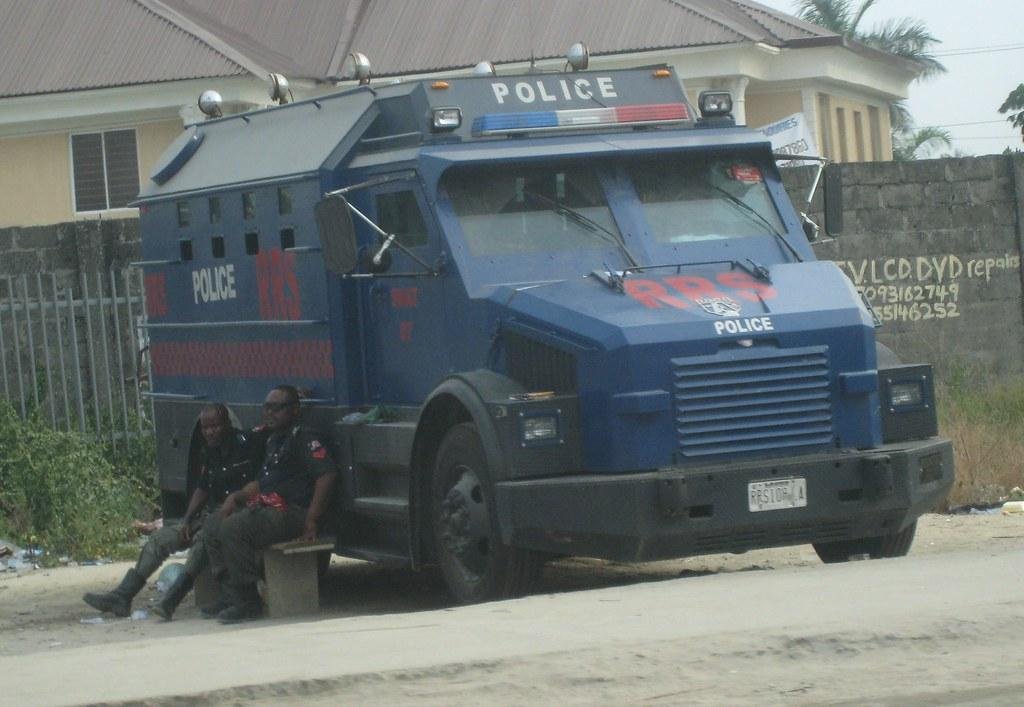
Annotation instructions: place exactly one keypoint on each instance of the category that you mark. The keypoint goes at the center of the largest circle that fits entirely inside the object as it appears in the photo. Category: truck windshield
(517, 209)
(687, 200)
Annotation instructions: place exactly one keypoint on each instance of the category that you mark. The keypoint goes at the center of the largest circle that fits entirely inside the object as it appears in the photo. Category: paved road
(930, 629)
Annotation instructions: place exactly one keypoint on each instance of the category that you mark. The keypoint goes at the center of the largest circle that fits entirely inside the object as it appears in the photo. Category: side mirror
(337, 234)
(833, 193)
(810, 228)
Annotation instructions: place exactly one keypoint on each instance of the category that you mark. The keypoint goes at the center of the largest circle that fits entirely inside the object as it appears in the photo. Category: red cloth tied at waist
(269, 500)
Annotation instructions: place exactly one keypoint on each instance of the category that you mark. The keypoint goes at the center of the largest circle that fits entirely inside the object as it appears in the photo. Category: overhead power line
(982, 137)
(979, 50)
(976, 122)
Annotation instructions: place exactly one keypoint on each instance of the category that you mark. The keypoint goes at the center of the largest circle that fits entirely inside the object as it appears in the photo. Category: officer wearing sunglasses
(286, 501)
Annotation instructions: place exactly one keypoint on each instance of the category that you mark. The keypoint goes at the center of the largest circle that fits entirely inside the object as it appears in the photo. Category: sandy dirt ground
(942, 626)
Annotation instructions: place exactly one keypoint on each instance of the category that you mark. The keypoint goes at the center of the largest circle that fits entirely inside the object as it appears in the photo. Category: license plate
(777, 494)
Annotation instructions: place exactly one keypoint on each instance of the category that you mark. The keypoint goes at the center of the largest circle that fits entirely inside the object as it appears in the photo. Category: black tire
(893, 545)
(475, 564)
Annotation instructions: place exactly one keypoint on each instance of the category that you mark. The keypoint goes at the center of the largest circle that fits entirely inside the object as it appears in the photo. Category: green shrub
(59, 490)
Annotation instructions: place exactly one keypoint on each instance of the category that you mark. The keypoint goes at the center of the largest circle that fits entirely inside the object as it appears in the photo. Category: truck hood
(704, 308)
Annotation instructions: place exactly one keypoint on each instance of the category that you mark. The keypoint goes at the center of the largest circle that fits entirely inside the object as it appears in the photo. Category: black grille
(538, 366)
(752, 401)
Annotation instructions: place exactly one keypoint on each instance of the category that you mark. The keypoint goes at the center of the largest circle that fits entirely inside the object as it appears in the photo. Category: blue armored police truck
(542, 315)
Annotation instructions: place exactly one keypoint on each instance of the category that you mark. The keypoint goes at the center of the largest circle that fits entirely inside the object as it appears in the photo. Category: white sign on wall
(790, 136)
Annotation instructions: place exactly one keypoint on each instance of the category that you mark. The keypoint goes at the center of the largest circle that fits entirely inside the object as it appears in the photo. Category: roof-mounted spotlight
(209, 104)
(715, 104)
(359, 68)
(484, 68)
(279, 90)
(578, 56)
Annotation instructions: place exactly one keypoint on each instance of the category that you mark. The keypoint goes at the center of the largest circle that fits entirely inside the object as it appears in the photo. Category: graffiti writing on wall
(919, 288)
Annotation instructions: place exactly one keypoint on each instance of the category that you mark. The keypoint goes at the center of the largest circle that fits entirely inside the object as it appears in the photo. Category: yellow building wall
(853, 131)
(764, 108)
(35, 180)
(35, 174)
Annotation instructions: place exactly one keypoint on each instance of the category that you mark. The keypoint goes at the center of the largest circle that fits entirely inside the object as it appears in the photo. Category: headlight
(910, 394)
(907, 398)
(539, 428)
(446, 119)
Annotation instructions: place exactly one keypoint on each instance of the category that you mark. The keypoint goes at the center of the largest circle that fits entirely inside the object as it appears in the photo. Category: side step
(381, 557)
(390, 508)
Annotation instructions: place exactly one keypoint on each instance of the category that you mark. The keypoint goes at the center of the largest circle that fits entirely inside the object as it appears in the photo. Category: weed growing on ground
(985, 420)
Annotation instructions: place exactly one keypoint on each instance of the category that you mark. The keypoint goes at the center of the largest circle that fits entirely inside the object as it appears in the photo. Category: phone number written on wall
(923, 287)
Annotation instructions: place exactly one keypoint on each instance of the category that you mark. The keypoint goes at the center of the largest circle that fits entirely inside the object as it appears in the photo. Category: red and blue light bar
(542, 121)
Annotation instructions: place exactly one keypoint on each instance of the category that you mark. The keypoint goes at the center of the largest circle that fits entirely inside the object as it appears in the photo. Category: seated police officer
(286, 501)
(228, 462)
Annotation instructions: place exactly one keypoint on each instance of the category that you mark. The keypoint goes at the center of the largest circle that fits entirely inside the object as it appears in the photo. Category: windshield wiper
(749, 211)
(586, 222)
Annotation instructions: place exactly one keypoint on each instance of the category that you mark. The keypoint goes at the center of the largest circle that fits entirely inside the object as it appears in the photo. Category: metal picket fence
(74, 353)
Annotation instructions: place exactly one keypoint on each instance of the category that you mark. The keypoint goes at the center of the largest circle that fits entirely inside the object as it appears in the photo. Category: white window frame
(106, 183)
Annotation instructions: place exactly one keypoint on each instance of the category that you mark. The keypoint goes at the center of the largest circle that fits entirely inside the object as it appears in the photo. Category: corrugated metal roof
(55, 45)
(297, 39)
(50, 46)
(787, 28)
(402, 37)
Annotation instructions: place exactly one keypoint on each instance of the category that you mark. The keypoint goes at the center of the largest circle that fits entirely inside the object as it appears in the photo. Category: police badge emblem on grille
(721, 306)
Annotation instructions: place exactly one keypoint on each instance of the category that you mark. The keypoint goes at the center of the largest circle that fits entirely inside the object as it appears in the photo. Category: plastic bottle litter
(167, 576)
(140, 615)
(1013, 507)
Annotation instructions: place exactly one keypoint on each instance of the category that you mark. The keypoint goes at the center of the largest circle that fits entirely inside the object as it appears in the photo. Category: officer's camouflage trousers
(240, 539)
(166, 542)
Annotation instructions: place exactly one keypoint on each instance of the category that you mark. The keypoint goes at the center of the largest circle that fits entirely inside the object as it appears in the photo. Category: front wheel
(475, 564)
(892, 545)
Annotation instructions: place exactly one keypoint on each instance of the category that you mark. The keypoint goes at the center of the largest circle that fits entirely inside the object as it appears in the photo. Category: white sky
(976, 83)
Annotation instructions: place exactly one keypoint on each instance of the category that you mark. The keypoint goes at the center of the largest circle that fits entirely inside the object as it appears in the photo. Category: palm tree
(912, 144)
(904, 37)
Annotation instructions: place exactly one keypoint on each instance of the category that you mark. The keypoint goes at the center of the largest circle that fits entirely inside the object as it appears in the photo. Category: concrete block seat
(291, 576)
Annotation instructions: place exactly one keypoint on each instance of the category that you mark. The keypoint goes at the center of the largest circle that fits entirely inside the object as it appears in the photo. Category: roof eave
(859, 48)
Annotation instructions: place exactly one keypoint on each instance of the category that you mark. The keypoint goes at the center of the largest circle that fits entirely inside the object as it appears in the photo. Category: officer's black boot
(245, 605)
(223, 601)
(175, 593)
(119, 601)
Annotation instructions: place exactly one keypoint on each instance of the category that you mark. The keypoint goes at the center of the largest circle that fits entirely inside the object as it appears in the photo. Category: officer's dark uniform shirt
(295, 460)
(229, 467)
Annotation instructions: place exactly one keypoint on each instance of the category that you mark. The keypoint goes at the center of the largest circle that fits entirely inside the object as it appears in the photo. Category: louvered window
(105, 168)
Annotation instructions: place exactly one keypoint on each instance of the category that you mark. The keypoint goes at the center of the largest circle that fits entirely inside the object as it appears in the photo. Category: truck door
(404, 308)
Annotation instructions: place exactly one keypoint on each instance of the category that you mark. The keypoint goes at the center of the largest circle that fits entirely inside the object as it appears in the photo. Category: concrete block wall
(66, 249)
(935, 245)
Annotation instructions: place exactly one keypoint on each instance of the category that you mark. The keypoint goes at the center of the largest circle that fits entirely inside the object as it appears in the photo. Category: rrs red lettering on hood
(746, 173)
(678, 291)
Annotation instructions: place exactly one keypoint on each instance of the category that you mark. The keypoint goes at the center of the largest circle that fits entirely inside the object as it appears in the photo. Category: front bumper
(679, 512)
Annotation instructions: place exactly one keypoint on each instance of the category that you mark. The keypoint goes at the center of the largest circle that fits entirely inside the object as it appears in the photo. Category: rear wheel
(892, 545)
(475, 564)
